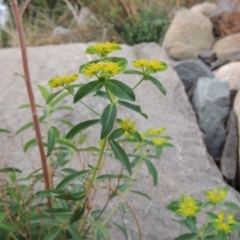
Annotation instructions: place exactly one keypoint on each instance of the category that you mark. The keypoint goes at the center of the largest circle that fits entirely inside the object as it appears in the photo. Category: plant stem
(104, 141)
(125, 192)
(109, 96)
(139, 82)
(18, 22)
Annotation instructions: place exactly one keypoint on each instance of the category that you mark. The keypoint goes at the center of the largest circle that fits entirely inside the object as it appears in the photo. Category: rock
(236, 107)
(205, 8)
(86, 18)
(60, 31)
(229, 159)
(226, 17)
(183, 41)
(231, 74)
(211, 103)
(228, 48)
(218, 63)
(207, 56)
(189, 71)
(186, 168)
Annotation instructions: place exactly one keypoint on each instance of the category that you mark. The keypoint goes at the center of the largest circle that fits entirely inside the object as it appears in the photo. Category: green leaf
(122, 229)
(26, 126)
(157, 84)
(152, 170)
(117, 133)
(52, 96)
(63, 108)
(142, 194)
(188, 236)
(29, 144)
(72, 196)
(51, 141)
(75, 235)
(121, 61)
(67, 123)
(44, 91)
(112, 176)
(133, 107)
(71, 177)
(68, 144)
(52, 234)
(4, 130)
(76, 215)
(28, 106)
(98, 225)
(232, 205)
(108, 119)
(120, 90)
(192, 223)
(82, 139)
(58, 99)
(81, 126)
(7, 226)
(130, 71)
(158, 151)
(221, 235)
(136, 136)
(101, 94)
(120, 154)
(86, 89)
(89, 149)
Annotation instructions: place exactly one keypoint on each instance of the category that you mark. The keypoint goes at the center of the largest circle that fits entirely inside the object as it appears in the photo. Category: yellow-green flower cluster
(153, 65)
(128, 126)
(159, 141)
(106, 48)
(94, 69)
(62, 80)
(224, 222)
(188, 207)
(156, 131)
(216, 195)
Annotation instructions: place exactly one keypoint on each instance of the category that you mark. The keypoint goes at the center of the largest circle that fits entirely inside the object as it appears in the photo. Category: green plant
(218, 226)
(149, 26)
(74, 211)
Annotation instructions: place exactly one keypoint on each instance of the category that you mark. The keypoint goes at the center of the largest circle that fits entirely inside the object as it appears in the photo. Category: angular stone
(211, 103)
(230, 73)
(186, 168)
(228, 48)
(189, 71)
(229, 159)
(218, 63)
(236, 107)
(188, 35)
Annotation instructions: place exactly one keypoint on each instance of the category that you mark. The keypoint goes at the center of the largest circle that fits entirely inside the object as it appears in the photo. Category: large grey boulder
(189, 71)
(188, 35)
(211, 102)
(228, 48)
(186, 168)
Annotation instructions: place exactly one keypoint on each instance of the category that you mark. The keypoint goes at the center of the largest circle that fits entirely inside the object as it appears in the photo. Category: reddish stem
(18, 22)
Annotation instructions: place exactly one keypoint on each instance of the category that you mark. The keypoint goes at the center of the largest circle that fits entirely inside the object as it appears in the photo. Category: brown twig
(24, 7)
(18, 21)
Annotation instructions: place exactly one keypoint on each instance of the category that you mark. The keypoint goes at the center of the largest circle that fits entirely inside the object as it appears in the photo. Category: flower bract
(128, 125)
(103, 48)
(216, 195)
(159, 141)
(151, 65)
(156, 131)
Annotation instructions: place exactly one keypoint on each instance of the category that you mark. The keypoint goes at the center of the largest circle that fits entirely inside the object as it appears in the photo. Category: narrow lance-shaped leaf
(130, 71)
(98, 225)
(86, 89)
(117, 133)
(120, 90)
(26, 126)
(81, 126)
(4, 130)
(52, 96)
(59, 98)
(44, 91)
(133, 107)
(52, 234)
(107, 120)
(152, 170)
(120, 154)
(188, 236)
(29, 144)
(51, 141)
(157, 84)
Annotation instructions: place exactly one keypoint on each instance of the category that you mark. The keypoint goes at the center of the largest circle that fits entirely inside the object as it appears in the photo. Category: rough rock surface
(205, 8)
(186, 168)
(211, 102)
(231, 74)
(228, 48)
(236, 107)
(189, 71)
(229, 159)
(182, 39)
